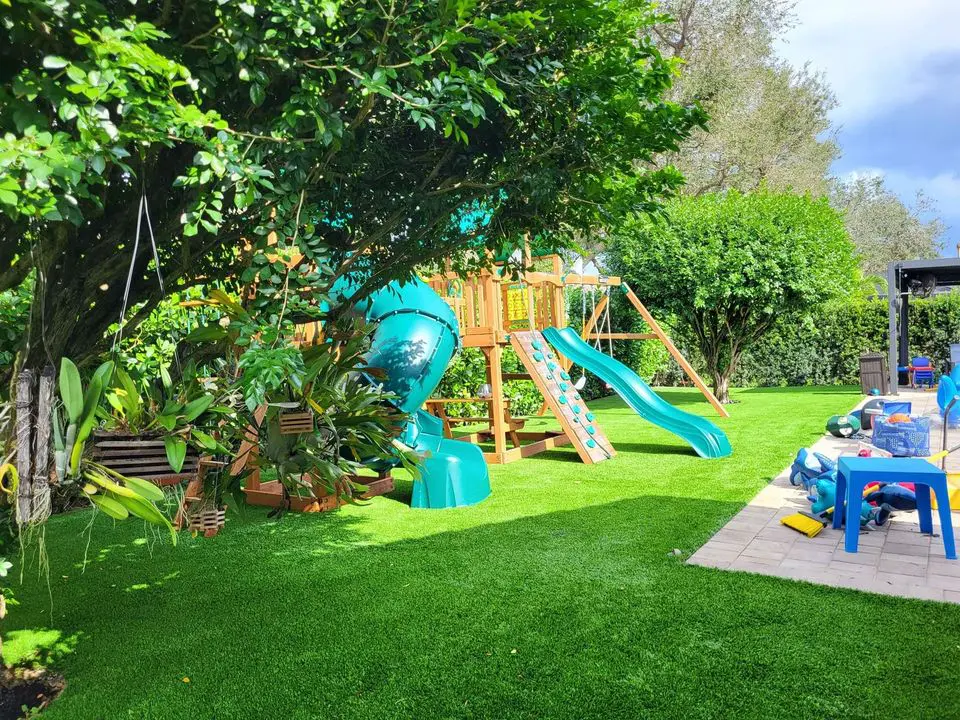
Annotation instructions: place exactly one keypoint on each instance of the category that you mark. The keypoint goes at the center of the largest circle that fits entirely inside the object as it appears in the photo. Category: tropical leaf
(110, 506)
(71, 389)
(201, 437)
(146, 489)
(176, 449)
(196, 408)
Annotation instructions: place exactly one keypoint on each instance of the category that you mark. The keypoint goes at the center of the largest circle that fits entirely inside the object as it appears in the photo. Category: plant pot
(206, 519)
(142, 456)
(295, 423)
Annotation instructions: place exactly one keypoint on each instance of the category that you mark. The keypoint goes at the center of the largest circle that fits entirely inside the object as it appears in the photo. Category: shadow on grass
(517, 616)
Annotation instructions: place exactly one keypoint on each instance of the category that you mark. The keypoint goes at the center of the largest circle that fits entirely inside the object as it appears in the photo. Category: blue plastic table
(853, 475)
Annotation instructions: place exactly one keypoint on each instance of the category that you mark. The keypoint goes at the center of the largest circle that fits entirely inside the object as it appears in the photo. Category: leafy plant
(182, 412)
(116, 495)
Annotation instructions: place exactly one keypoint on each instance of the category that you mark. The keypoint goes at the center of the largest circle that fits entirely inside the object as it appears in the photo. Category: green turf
(557, 598)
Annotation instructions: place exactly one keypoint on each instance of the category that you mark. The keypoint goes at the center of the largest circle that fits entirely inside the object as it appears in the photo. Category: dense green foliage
(354, 131)
(730, 265)
(558, 597)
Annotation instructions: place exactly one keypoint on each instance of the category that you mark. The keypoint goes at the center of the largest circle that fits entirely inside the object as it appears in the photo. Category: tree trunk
(721, 386)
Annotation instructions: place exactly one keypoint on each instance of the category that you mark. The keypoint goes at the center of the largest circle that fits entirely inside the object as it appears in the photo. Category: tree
(769, 121)
(730, 265)
(349, 133)
(883, 227)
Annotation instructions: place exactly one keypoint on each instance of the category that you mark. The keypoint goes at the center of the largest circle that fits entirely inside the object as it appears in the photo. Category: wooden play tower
(494, 311)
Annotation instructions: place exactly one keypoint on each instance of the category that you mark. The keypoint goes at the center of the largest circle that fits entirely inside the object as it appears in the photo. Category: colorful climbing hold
(550, 356)
(591, 429)
(538, 356)
(576, 408)
(590, 417)
(537, 345)
(564, 386)
(561, 399)
(565, 376)
(591, 444)
(552, 365)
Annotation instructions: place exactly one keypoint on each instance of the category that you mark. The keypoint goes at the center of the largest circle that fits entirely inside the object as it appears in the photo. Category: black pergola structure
(917, 278)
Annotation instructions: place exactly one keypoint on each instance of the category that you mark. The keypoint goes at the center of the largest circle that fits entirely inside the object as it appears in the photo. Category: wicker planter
(142, 456)
(207, 520)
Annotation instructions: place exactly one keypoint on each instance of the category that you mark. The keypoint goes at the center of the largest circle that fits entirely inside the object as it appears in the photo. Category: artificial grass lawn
(557, 598)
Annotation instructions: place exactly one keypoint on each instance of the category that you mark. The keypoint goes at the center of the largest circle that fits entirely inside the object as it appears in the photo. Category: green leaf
(71, 389)
(8, 197)
(167, 422)
(210, 333)
(205, 440)
(147, 490)
(110, 506)
(55, 62)
(176, 449)
(166, 379)
(196, 408)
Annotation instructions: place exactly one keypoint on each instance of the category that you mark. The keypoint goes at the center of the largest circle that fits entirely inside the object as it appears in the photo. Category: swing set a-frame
(494, 310)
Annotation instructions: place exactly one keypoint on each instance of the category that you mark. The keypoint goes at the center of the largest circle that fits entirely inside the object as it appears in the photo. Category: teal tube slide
(415, 337)
(706, 438)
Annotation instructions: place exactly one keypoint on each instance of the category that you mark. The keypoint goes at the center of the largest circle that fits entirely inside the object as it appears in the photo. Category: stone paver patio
(893, 560)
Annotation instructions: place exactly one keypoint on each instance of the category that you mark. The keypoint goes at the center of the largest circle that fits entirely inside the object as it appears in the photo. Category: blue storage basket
(905, 439)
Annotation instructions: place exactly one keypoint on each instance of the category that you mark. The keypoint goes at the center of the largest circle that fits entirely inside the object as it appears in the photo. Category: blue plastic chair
(922, 370)
(853, 474)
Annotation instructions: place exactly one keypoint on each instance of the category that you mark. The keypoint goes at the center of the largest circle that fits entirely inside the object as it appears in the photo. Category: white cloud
(875, 53)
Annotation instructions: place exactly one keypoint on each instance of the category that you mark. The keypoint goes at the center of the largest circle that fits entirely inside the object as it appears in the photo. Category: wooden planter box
(295, 423)
(315, 497)
(142, 456)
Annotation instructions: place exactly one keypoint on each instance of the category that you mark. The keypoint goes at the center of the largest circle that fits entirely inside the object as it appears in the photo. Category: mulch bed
(27, 687)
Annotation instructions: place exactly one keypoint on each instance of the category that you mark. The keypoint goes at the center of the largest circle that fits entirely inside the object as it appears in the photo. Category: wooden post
(249, 448)
(41, 506)
(497, 405)
(677, 355)
(24, 428)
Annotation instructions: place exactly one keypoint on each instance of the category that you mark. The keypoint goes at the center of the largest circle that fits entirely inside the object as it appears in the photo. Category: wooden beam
(677, 355)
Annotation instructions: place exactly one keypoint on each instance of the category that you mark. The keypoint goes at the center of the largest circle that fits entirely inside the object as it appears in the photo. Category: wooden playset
(494, 311)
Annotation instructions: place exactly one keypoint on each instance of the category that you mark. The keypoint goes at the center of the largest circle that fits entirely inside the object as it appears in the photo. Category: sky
(894, 66)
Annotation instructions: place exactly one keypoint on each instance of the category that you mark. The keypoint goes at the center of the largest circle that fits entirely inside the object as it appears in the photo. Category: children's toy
(826, 499)
(843, 426)
(892, 407)
(903, 436)
(889, 497)
(808, 467)
(870, 410)
(946, 392)
(874, 391)
(805, 523)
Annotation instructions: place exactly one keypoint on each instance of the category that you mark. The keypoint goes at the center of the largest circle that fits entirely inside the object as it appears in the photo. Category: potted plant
(158, 434)
(113, 492)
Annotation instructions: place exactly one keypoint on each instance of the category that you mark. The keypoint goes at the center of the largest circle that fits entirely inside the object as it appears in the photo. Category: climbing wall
(562, 398)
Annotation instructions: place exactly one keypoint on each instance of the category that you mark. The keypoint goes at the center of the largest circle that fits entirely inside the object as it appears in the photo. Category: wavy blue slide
(706, 438)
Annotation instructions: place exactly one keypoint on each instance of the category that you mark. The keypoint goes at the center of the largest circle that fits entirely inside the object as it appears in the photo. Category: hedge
(820, 348)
